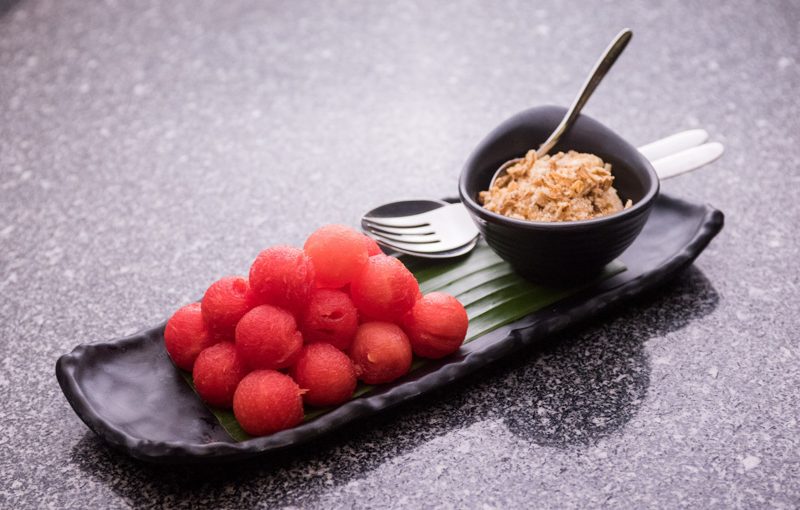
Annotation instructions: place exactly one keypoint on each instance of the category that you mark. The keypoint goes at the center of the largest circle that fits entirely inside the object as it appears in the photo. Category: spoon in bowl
(601, 68)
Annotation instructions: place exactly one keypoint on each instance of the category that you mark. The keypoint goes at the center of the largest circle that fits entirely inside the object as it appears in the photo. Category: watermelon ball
(338, 254)
(327, 373)
(380, 352)
(330, 317)
(224, 303)
(267, 401)
(372, 247)
(436, 325)
(217, 372)
(385, 290)
(186, 335)
(267, 338)
(282, 276)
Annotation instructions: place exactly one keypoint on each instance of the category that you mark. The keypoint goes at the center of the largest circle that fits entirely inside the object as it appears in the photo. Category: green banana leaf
(492, 293)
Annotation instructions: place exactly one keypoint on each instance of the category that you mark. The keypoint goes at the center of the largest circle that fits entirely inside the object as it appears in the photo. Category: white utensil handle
(687, 160)
(673, 144)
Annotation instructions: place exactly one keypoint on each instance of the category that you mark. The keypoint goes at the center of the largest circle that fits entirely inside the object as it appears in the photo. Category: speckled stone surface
(147, 148)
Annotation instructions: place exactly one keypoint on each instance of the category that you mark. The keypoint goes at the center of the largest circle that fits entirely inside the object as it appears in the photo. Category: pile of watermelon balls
(306, 326)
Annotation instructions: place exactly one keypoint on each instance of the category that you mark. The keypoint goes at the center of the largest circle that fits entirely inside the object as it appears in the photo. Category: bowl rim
(642, 205)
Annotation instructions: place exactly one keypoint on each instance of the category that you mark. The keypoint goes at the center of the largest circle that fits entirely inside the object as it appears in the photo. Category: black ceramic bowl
(559, 252)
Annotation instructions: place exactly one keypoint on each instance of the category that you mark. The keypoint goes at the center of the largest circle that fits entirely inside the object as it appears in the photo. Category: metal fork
(446, 228)
(450, 227)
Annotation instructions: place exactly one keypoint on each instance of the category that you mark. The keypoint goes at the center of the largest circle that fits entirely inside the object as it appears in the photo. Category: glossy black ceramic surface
(559, 251)
(129, 393)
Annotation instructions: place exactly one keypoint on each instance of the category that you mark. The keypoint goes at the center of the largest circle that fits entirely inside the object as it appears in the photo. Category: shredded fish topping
(567, 186)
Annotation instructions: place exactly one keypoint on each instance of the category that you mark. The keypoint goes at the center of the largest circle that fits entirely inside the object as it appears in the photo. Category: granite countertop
(148, 148)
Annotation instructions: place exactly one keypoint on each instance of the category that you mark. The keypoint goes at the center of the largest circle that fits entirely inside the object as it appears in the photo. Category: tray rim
(181, 452)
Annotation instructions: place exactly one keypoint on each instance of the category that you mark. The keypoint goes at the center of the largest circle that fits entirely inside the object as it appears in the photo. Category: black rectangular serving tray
(130, 394)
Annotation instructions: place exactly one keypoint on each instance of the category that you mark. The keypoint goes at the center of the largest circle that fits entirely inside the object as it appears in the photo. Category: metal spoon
(600, 69)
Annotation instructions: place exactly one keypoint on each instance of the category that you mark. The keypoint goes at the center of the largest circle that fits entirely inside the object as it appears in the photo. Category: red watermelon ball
(338, 254)
(282, 276)
(326, 373)
(436, 325)
(384, 290)
(329, 317)
(267, 338)
(372, 247)
(225, 302)
(217, 372)
(380, 352)
(267, 401)
(186, 335)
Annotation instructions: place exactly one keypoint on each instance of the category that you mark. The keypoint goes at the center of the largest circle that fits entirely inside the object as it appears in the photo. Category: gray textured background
(147, 148)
